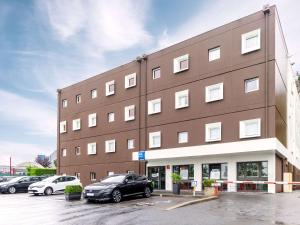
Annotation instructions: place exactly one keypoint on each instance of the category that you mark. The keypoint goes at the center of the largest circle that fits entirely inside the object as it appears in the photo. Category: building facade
(221, 105)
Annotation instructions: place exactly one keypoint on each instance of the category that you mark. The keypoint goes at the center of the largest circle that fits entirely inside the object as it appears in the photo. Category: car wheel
(11, 190)
(147, 192)
(48, 191)
(116, 196)
(35, 194)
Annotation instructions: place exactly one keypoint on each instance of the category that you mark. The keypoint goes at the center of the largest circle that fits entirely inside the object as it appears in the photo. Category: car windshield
(50, 179)
(16, 179)
(114, 179)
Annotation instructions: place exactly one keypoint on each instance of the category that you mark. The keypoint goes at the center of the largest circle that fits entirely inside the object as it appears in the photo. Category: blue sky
(49, 44)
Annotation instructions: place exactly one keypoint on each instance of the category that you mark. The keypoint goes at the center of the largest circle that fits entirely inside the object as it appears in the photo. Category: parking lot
(230, 208)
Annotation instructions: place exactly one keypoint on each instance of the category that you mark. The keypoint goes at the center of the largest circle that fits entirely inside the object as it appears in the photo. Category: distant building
(52, 158)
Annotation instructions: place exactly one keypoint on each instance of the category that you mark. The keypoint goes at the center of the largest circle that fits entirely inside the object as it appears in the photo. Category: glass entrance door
(158, 175)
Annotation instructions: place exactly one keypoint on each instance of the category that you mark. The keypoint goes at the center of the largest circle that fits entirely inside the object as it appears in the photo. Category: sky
(50, 44)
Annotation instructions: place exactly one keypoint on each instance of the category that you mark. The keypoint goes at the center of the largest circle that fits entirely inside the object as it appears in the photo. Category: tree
(45, 162)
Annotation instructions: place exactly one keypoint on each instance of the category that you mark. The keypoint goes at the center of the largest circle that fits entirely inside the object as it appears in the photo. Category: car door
(129, 187)
(69, 181)
(140, 184)
(23, 184)
(58, 184)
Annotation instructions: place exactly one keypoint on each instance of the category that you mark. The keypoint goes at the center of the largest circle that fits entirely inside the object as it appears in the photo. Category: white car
(52, 185)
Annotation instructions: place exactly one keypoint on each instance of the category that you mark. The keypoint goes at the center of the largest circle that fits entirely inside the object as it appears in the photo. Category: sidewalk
(183, 193)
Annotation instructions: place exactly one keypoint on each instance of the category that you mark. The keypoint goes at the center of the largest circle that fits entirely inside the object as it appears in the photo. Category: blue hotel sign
(141, 155)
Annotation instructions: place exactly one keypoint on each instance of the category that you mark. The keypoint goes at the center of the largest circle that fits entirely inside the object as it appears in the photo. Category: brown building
(213, 106)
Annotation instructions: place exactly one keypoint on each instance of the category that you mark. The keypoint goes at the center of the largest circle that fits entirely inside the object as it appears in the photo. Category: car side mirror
(126, 181)
(55, 182)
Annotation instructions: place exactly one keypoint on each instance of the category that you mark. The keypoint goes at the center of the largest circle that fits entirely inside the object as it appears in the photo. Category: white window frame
(127, 109)
(243, 124)
(107, 84)
(107, 144)
(92, 148)
(64, 152)
(179, 138)
(76, 124)
(78, 98)
(254, 79)
(209, 88)
(63, 127)
(111, 117)
(64, 103)
(92, 117)
(76, 148)
(110, 173)
(176, 63)
(214, 54)
(208, 128)
(127, 79)
(248, 35)
(94, 93)
(77, 174)
(130, 143)
(93, 178)
(151, 108)
(153, 73)
(151, 136)
(178, 95)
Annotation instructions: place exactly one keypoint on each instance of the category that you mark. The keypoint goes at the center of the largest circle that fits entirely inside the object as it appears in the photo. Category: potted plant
(209, 188)
(73, 192)
(176, 178)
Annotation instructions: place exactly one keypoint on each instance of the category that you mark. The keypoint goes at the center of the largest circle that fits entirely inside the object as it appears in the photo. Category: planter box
(176, 189)
(211, 191)
(73, 196)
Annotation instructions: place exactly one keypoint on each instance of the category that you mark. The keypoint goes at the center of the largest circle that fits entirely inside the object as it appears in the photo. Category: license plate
(90, 194)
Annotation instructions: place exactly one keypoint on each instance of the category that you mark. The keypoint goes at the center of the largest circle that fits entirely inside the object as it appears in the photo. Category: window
(250, 128)
(130, 171)
(182, 137)
(77, 175)
(154, 139)
(156, 73)
(92, 176)
(77, 150)
(64, 152)
(110, 88)
(251, 85)
(64, 103)
(213, 132)
(129, 113)
(181, 63)
(181, 99)
(111, 117)
(110, 145)
(92, 120)
(110, 173)
(63, 127)
(92, 149)
(76, 124)
(214, 92)
(130, 143)
(130, 80)
(214, 54)
(251, 41)
(78, 99)
(94, 93)
(154, 106)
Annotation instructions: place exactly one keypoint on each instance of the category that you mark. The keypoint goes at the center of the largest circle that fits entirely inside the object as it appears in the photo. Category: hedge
(33, 171)
(73, 189)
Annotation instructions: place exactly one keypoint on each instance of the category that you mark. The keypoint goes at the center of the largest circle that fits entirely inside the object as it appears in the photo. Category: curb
(192, 202)
(177, 196)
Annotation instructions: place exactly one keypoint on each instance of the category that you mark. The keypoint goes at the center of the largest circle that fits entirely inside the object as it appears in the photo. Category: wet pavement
(230, 208)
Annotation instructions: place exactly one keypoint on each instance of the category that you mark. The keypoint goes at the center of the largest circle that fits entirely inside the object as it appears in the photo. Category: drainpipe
(58, 132)
(145, 57)
(266, 11)
(139, 61)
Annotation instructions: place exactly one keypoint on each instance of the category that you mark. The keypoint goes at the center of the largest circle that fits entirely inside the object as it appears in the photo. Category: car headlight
(3, 186)
(40, 186)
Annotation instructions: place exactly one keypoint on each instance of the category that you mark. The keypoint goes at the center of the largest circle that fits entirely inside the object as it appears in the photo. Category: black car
(6, 178)
(117, 186)
(19, 184)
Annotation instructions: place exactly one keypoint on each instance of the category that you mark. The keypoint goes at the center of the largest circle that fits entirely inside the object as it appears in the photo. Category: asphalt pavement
(230, 208)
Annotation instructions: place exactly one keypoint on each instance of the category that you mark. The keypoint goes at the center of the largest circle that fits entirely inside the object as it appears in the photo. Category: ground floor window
(215, 171)
(252, 171)
(187, 174)
(157, 175)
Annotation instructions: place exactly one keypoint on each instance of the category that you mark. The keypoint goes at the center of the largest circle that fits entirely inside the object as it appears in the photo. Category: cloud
(34, 116)
(20, 152)
(216, 13)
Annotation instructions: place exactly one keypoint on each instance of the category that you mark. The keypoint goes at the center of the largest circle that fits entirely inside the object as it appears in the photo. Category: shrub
(73, 189)
(34, 171)
(176, 178)
(208, 182)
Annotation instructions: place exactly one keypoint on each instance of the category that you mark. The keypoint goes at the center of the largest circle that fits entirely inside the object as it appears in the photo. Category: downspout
(145, 57)
(139, 61)
(266, 10)
(58, 132)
